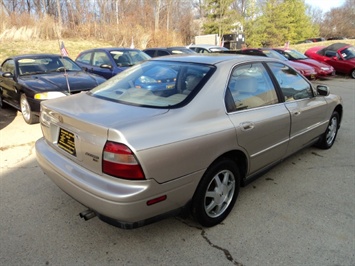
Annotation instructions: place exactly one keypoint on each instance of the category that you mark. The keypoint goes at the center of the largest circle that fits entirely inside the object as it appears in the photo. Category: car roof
(166, 48)
(16, 57)
(108, 49)
(212, 58)
(205, 45)
(333, 47)
(336, 46)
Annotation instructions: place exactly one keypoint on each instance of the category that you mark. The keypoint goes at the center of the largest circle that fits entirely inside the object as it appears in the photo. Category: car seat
(245, 92)
(123, 60)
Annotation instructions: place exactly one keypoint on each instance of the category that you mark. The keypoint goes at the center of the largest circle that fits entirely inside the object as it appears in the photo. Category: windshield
(128, 58)
(348, 53)
(273, 54)
(43, 65)
(155, 84)
(296, 54)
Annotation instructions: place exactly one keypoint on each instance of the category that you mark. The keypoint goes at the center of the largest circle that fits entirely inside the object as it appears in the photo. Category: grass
(74, 47)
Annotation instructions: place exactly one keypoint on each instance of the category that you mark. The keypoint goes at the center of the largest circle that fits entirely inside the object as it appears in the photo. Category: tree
(299, 24)
(220, 17)
(340, 21)
(278, 22)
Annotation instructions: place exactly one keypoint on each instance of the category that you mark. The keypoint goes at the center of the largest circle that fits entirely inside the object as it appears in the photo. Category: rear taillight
(119, 161)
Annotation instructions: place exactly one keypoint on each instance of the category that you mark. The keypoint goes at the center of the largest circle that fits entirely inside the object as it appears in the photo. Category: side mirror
(323, 90)
(7, 75)
(106, 66)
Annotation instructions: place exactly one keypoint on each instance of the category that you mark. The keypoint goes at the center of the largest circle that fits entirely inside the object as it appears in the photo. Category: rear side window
(250, 86)
(155, 84)
(162, 53)
(293, 86)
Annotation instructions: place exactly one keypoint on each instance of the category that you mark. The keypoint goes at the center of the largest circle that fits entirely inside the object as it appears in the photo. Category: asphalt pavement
(301, 212)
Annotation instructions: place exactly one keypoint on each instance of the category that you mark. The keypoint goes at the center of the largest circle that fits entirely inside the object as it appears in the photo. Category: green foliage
(269, 24)
(220, 17)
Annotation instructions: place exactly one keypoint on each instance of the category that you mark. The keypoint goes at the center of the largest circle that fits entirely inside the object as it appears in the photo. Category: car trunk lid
(78, 126)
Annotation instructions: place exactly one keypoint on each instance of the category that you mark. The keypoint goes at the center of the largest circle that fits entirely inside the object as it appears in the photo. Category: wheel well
(239, 158)
(339, 109)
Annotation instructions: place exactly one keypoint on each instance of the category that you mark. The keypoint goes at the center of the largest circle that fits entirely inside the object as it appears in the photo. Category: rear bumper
(115, 200)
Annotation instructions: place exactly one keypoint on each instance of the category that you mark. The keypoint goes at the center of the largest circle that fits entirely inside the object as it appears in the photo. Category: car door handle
(296, 113)
(247, 125)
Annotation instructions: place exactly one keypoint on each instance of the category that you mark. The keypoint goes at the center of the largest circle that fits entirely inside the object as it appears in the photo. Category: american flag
(63, 50)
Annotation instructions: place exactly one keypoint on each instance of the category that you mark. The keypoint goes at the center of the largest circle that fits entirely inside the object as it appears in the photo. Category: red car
(339, 55)
(307, 71)
(321, 68)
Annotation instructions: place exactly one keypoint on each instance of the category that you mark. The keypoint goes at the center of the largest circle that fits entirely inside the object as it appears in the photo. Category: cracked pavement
(301, 212)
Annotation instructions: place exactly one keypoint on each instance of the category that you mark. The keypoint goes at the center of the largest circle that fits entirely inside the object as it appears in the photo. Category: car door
(9, 84)
(342, 65)
(262, 123)
(336, 61)
(307, 111)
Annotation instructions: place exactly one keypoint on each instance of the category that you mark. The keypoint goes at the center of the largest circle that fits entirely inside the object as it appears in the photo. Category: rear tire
(217, 192)
(352, 74)
(27, 114)
(328, 138)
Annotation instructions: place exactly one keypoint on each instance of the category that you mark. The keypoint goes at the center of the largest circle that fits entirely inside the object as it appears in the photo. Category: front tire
(328, 138)
(2, 104)
(217, 192)
(27, 114)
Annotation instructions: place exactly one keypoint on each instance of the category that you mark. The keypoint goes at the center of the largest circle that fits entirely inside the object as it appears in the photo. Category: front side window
(155, 84)
(292, 85)
(250, 86)
(101, 58)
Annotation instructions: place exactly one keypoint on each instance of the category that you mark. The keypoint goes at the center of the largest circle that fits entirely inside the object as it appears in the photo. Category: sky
(325, 5)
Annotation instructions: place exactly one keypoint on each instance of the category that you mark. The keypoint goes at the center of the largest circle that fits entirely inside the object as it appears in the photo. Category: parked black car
(162, 51)
(26, 80)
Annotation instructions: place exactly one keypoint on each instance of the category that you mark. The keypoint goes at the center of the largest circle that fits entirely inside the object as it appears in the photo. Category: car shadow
(337, 76)
(7, 115)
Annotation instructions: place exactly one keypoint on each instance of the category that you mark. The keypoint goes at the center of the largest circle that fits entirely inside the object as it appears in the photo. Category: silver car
(181, 133)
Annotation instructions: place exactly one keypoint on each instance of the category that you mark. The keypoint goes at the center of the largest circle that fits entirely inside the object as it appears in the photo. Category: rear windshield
(161, 84)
